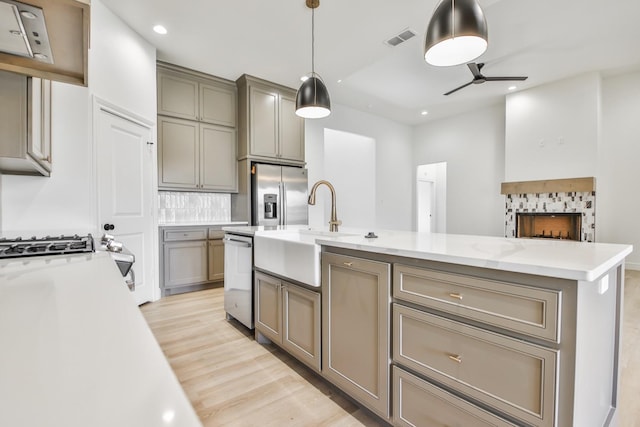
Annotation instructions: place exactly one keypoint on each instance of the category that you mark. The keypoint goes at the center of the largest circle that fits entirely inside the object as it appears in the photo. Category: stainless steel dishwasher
(238, 278)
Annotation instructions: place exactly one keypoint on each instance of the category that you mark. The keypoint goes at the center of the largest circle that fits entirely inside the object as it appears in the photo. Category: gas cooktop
(34, 246)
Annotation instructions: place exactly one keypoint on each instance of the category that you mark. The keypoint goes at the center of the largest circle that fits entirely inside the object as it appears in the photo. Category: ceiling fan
(479, 78)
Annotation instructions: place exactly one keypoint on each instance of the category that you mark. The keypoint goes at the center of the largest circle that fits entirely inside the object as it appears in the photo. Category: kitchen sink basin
(292, 253)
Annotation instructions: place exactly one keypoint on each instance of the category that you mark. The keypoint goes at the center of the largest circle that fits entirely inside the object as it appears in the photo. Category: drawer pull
(455, 357)
(348, 264)
(456, 296)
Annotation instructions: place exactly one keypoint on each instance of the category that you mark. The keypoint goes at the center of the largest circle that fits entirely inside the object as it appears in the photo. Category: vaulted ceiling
(546, 40)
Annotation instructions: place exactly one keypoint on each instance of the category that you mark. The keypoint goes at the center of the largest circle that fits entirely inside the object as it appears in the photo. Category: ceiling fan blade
(504, 79)
(458, 88)
(475, 68)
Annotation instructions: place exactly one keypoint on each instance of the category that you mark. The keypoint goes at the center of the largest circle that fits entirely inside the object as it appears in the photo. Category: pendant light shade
(457, 33)
(312, 99)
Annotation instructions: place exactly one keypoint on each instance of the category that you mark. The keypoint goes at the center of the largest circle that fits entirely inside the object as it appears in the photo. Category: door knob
(108, 227)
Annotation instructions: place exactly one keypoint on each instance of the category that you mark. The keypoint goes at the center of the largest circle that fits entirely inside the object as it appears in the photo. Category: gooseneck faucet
(333, 223)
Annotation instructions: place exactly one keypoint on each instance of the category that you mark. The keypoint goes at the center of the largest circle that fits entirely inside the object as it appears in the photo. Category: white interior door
(124, 174)
(426, 202)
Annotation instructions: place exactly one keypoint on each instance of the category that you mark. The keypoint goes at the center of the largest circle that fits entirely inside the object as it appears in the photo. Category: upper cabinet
(268, 128)
(25, 125)
(197, 140)
(187, 97)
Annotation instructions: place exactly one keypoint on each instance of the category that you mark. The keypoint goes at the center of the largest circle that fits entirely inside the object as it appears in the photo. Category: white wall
(472, 145)
(618, 178)
(393, 171)
(552, 131)
(348, 160)
(121, 71)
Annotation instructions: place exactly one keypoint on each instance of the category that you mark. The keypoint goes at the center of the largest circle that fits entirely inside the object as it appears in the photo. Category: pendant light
(457, 33)
(312, 99)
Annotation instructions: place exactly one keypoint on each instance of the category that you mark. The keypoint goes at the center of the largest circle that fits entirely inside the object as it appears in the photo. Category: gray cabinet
(190, 256)
(289, 315)
(193, 96)
(268, 126)
(216, 260)
(356, 300)
(419, 403)
(196, 156)
(197, 138)
(25, 125)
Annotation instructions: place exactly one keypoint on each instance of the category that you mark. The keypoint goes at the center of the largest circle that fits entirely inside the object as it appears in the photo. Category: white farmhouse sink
(291, 253)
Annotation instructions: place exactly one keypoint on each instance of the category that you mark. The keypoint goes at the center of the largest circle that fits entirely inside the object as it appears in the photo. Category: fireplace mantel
(549, 186)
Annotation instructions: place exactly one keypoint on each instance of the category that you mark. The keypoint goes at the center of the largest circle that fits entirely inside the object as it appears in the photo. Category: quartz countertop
(555, 258)
(76, 351)
(202, 223)
(251, 230)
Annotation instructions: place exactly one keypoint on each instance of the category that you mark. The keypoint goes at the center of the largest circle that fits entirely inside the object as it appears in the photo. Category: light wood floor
(233, 381)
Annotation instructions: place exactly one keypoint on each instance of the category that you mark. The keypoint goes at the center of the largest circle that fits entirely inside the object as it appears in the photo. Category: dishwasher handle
(237, 242)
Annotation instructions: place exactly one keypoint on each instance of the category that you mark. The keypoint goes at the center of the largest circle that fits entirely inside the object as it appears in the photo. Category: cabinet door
(13, 114)
(356, 298)
(301, 324)
(185, 263)
(268, 312)
(291, 130)
(263, 119)
(218, 105)
(216, 260)
(177, 96)
(178, 154)
(218, 165)
(39, 141)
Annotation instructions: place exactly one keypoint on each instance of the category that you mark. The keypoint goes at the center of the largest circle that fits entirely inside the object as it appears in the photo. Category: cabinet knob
(348, 264)
(108, 227)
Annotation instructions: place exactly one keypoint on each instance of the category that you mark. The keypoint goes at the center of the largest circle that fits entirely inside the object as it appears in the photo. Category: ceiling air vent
(400, 38)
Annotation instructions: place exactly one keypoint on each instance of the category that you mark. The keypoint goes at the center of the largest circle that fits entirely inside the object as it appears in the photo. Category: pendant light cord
(313, 42)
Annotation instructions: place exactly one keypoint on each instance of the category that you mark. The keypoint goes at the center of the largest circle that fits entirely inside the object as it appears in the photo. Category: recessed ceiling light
(160, 29)
(424, 113)
(512, 88)
(340, 81)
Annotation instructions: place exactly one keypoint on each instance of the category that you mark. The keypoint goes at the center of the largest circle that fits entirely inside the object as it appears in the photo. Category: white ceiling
(546, 40)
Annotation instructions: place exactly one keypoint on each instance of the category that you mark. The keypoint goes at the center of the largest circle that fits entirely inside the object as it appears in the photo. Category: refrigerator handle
(283, 204)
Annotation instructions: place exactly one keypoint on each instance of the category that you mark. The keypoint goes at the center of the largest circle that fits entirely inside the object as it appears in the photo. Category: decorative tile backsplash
(583, 202)
(177, 207)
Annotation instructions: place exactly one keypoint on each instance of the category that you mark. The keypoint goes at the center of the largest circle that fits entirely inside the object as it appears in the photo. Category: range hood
(45, 38)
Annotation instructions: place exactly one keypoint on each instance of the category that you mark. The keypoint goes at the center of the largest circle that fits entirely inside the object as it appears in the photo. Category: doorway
(124, 171)
(431, 198)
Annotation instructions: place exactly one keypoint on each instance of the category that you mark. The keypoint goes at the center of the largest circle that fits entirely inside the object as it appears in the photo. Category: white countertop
(546, 257)
(201, 223)
(76, 351)
(251, 230)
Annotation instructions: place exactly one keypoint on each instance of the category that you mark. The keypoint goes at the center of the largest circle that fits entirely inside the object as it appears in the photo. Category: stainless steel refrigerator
(278, 195)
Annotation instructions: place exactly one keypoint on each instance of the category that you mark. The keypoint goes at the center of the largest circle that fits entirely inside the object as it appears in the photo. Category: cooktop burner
(19, 247)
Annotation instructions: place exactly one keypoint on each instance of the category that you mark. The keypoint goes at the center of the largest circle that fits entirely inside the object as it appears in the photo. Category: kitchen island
(433, 329)
(76, 350)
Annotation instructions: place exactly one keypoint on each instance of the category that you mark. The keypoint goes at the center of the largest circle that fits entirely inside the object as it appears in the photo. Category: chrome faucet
(333, 223)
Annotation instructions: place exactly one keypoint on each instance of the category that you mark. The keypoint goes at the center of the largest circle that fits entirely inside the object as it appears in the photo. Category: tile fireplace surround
(552, 196)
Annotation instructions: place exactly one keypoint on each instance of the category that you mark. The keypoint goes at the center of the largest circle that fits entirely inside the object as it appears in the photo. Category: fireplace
(556, 208)
(565, 226)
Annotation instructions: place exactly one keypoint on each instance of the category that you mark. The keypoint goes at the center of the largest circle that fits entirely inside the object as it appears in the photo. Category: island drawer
(419, 403)
(515, 377)
(188, 234)
(527, 310)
